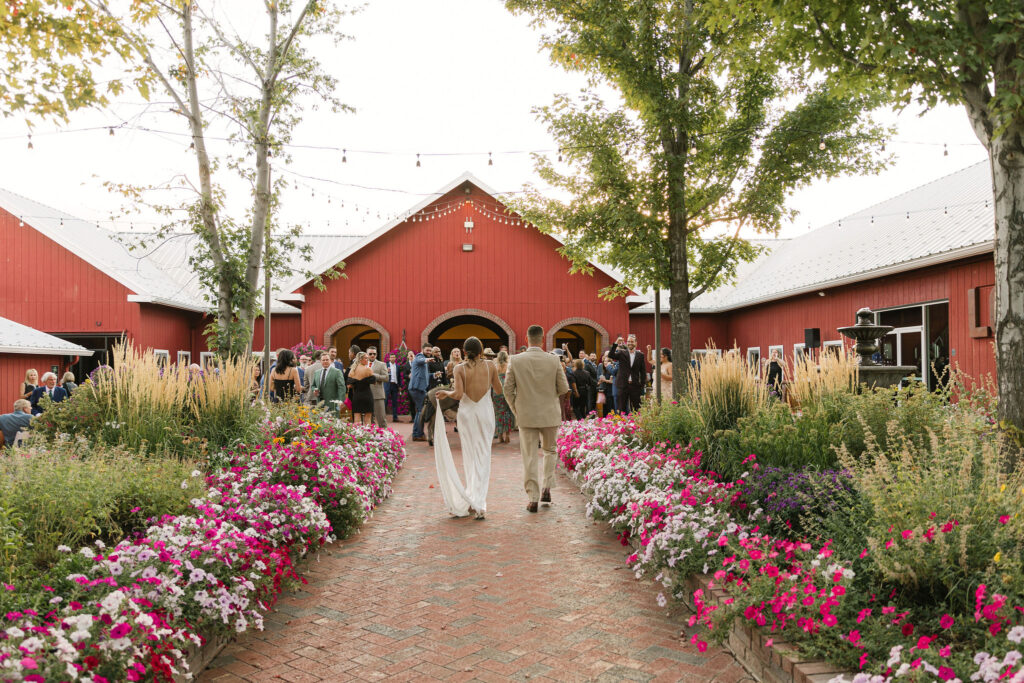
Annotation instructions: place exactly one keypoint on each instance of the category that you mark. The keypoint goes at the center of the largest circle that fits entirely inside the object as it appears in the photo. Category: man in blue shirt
(19, 420)
(418, 384)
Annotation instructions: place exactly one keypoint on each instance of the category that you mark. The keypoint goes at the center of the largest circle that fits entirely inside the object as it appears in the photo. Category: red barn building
(460, 264)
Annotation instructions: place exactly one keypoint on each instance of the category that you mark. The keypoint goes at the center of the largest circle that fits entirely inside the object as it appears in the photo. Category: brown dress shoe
(531, 507)
(419, 438)
(545, 496)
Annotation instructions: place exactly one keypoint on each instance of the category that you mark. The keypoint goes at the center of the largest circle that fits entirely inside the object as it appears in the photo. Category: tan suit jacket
(534, 382)
(380, 371)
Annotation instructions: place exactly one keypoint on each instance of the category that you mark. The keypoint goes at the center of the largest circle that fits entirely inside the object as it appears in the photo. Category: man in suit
(327, 385)
(19, 420)
(418, 385)
(380, 372)
(427, 414)
(631, 375)
(396, 371)
(534, 385)
(49, 388)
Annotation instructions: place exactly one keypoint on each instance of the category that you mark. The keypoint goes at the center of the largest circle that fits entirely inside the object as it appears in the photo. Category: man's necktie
(323, 378)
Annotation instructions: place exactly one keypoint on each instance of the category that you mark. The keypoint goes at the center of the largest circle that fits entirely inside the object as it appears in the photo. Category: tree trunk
(679, 296)
(1007, 163)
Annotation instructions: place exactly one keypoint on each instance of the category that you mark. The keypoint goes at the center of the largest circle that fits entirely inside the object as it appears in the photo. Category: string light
(490, 159)
(30, 141)
(559, 153)
(821, 145)
(417, 160)
(945, 150)
(21, 222)
(344, 156)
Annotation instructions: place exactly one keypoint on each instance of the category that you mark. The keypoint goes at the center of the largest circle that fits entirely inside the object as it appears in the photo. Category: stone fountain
(866, 333)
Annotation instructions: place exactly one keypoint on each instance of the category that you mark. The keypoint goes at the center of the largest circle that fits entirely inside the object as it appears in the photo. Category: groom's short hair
(535, 333)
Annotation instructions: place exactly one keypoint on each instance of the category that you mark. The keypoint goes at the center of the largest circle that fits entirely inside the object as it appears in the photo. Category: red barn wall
(704, 329)
(168, 328)
(45, 286)
(285, 332)
(12, 373)
(783, 322)
(418, 271)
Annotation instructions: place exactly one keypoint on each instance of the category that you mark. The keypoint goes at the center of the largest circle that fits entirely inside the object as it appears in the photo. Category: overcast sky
(453, 78)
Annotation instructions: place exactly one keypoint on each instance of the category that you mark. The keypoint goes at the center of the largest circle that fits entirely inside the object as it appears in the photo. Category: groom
(534, 385)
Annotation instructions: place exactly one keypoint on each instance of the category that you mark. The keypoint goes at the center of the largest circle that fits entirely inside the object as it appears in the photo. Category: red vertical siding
(418, 271)
(285, 332)
(704, 329)
(12, 373)
(783, 322)
(167, 328)
(45, 286)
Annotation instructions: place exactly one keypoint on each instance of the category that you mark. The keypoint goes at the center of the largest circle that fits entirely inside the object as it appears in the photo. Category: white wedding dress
(476, 432)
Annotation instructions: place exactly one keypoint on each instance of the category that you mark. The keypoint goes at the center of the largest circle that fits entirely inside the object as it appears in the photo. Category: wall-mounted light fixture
(467, 247)
(469, 226)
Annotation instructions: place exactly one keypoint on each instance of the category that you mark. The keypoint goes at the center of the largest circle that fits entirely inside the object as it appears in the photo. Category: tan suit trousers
(528, 438)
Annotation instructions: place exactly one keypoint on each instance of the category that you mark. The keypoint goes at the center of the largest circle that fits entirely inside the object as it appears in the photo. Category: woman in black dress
(360, 377)
(285, 376)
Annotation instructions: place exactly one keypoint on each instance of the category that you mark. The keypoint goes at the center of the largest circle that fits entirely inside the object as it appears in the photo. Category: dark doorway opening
(452, 333)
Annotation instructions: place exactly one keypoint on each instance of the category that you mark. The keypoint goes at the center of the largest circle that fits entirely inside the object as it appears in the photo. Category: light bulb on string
(490, 159)
(559, 153)
(21, 222)
(344, 156)
(883, 144)
(945, 149)
(821, 145)
(417, 161)
(30, 146)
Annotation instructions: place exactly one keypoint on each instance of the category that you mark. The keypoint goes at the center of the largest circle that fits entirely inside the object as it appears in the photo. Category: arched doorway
(450, 330)
(360, 331)
(579, 334)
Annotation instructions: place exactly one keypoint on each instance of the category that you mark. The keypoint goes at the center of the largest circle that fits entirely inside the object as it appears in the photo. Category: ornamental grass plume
(724, 388)
(813, 382)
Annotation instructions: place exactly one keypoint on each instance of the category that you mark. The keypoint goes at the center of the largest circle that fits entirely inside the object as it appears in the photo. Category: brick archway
(385, 338)
(425, 335)
(577, 320)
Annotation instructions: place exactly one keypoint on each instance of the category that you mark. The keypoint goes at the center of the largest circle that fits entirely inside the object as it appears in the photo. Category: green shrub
(72, 494)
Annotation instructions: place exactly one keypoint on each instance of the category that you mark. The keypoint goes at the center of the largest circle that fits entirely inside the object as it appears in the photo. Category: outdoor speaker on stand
(812, 340)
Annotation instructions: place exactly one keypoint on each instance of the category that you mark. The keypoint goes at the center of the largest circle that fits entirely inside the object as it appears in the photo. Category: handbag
(600, 398)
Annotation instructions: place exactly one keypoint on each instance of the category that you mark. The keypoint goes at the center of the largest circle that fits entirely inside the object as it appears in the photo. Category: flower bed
(684, 520)
(128, 612)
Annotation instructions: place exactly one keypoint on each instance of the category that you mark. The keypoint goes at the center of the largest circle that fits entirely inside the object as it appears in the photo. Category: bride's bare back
(474, 379)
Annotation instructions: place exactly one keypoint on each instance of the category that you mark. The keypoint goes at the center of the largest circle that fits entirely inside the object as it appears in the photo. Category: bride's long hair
(473, 349)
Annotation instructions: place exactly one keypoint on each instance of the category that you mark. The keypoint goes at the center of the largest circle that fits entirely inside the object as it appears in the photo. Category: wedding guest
(327, 385)
(435, 368)
(567, 398)
(333, 351)
(504, 421)
(30, 383)
(304, 361)
(360, 379)
(285, 384)
(49, 388)
(631, 376)
(454, 358)
(392, 389)
(774, 377)
(605, 385)
(380, 374)
(68, 382)
(419, 382)
(584, 384)
(591, 367)
(16, 421)
(665, 368)
(522, 349)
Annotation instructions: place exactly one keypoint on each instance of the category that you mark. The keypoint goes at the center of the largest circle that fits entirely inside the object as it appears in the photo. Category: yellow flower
(1002, 488)
(998, 556)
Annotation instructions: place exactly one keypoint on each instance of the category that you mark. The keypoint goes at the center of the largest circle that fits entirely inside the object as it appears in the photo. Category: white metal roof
(171, 254)
(943, 220)
(18, 338)
(99, 248)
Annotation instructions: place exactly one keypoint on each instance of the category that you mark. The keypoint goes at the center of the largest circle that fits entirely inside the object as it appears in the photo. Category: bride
(474, 380)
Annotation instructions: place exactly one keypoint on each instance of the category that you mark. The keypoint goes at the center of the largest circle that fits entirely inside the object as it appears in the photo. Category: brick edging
(779, 663)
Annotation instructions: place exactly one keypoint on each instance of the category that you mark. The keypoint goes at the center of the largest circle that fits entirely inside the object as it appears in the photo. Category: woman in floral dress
(504, 421)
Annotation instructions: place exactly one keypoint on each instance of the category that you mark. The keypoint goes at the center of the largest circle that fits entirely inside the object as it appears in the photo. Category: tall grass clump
(139, 402)
(722, 389)
(813, 383)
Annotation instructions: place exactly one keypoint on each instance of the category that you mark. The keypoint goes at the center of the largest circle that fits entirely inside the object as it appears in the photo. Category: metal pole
(657, 344)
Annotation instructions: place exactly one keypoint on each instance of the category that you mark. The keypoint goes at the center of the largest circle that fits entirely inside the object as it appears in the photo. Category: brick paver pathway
(421, 596)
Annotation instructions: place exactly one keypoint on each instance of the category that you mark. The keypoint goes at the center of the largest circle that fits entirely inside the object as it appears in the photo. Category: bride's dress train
(476, 433)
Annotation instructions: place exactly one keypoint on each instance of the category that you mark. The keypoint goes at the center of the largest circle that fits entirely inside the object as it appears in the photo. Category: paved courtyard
(421, 596)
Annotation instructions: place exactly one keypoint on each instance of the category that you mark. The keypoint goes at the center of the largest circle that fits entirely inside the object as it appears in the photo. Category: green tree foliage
(48, 50)
(967, 52)
(713, 134)
(256, 89)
